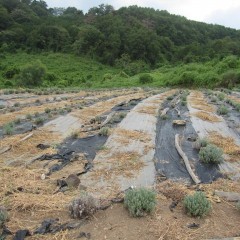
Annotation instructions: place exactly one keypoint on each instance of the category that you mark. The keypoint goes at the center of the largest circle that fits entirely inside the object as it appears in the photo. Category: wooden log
(164, 112)
(108, 119)
(5, 149)
(178, 111)
(10, 147)
(185, 159)
(229, 196)
(26, 137)
(179, 122)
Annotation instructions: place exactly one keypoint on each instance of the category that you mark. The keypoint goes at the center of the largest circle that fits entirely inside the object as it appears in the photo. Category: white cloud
(213, 11)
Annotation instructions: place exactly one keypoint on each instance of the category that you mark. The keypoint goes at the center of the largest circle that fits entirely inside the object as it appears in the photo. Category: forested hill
(153, 36)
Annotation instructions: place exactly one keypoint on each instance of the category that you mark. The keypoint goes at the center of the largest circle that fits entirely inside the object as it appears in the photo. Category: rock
(21, 234)
(193, 225)
(82, 187)
(43, 146)
(83, 234)
(179, 122)
(229, 196)
(72, 181)
(43, 176)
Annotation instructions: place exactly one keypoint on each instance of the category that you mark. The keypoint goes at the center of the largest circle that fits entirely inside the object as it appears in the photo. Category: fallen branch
(185, 159)
(8, 148)
(108, 119)
(178, 111)
(164, 112)
(26, 137)
(5, 149)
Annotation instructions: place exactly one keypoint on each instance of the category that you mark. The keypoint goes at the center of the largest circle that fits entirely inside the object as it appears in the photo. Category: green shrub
(17, 120)
(222, 110)
(47, 110)
(197, 205)
(140, 201)
(211, 154)
(221, 96)
(201, 142)
(8, 128)
(145, 78)
(32, 74)
(29, 116)
(39, 121)
(104, 131)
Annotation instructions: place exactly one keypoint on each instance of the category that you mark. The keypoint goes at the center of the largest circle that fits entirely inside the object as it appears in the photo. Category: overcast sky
(223, 12)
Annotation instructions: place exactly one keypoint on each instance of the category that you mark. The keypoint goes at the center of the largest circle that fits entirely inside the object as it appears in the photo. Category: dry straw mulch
(226, 143)
(197, 101)
(206, 116)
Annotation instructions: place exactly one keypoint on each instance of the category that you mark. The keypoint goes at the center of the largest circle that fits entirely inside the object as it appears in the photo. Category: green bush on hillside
(145, 78)
(32, 74)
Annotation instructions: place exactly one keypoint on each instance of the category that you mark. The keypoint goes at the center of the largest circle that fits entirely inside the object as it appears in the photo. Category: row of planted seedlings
(31, 121)
(174, 128)
(95, 132)
(139, 201)
(70, 154)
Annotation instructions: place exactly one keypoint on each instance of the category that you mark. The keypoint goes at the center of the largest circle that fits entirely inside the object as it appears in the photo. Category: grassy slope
(75, 71)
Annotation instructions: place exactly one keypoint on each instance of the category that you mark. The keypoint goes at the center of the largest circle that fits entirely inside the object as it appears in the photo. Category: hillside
(131, 40)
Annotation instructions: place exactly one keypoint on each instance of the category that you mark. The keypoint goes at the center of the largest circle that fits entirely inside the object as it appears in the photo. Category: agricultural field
(71, 162)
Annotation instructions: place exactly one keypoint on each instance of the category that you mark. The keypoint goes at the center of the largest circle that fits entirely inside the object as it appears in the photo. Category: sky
(223, 12)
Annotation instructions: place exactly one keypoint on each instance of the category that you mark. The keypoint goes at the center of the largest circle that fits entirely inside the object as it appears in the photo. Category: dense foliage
(132, 39)
(152, 36)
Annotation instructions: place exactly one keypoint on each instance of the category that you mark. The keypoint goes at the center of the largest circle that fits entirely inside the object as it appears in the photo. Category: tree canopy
(154, 37)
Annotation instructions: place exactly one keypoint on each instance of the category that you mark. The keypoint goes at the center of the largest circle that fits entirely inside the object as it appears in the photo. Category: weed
(74, 135)
(2, 106)
(104, 131)
(221, 96)
(211, 154)
(47, 110)
(39, 121)
(184, 103)
(213, 99)
(140, 201)
(29, 116)
(17, 121)
(36, 114)
(61, 111)
(17, 104)
(222, 110)
(84, 206)
(201, 142)
(170, 98)
(197, 205)
(8, 128)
